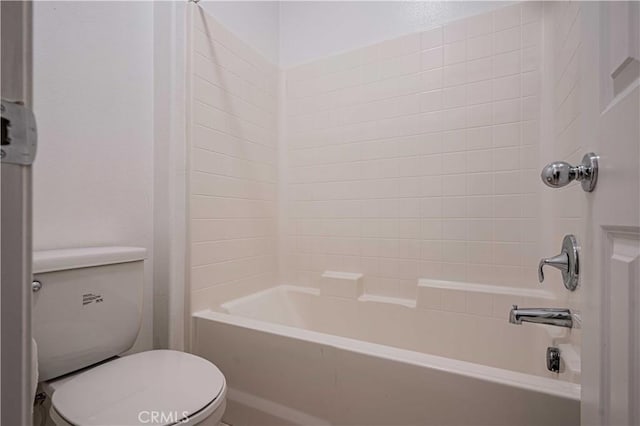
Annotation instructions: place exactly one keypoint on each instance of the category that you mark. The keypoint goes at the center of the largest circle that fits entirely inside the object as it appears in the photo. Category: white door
(611, 253)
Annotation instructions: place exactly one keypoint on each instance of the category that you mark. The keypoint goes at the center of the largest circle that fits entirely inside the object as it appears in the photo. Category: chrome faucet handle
(560, 261)
(567, 262)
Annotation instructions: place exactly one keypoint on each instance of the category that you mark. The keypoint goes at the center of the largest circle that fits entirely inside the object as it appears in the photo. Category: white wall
(254, 22)
(93, 99)
(313, 29)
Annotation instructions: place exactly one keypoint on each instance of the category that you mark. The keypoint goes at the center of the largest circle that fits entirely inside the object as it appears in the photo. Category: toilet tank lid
(74, 258)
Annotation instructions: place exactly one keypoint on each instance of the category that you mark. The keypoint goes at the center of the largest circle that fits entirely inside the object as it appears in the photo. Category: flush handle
(567, 262)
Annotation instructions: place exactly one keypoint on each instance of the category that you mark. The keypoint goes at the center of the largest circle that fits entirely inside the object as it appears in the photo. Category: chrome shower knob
(560, 173)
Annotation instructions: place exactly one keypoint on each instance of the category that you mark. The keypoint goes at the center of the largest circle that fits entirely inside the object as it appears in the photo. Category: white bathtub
(292, 356)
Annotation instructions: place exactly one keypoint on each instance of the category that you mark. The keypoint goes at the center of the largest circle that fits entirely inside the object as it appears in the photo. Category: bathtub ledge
(486, 288)
(409, 303)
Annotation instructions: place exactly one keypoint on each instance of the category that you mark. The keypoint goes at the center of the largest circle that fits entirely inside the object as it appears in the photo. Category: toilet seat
(160, 387)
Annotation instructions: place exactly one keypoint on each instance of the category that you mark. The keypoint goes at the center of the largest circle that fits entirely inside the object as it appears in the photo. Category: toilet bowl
(160, 387)
(87, 312)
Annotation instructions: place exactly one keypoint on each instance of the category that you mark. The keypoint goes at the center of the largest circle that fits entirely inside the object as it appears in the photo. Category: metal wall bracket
(19, 140)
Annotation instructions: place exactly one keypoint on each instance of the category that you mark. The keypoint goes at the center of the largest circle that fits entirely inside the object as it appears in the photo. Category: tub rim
(501, 376)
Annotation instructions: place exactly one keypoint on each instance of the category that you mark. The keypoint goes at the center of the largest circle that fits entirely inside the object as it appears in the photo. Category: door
(18, 150)
(611, 129)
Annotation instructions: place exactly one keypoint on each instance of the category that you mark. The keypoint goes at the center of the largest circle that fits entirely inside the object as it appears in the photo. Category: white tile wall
(233, 144)
(563, 25)
(411, 158)
(407, 159)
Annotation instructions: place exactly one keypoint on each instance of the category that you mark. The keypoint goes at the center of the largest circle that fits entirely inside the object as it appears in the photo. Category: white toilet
(87, 311)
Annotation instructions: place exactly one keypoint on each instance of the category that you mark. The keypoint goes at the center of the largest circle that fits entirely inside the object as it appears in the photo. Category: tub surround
(361, 225)
(232, 136)
(563, 107)
(418, 157)
(406, 159)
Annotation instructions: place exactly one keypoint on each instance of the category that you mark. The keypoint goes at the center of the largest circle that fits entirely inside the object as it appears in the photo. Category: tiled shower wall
(233, 146)
(562, 140)
(418, 158)
(413, 158)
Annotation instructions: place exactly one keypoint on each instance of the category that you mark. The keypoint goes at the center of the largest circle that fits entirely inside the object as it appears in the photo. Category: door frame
(16, 395)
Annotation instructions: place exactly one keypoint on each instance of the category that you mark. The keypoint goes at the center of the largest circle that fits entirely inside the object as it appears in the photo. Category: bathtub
(292, 355)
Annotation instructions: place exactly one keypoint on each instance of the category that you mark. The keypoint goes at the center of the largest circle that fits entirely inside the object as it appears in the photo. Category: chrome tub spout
(552, 316)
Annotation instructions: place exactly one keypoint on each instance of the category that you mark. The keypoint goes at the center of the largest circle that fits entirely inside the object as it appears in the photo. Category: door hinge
(19, 139)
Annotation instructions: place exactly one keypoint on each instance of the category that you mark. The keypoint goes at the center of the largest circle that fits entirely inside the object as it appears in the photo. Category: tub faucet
(552, 316)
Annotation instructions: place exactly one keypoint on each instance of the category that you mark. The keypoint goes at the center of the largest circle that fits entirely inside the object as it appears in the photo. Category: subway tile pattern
(564, 25)
(233, 163)
(411, 158)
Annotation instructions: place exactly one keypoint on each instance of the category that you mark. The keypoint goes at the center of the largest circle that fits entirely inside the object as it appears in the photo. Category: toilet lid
(132, 389)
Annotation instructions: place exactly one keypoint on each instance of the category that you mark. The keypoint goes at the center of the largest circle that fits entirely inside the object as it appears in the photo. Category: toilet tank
(89, 306)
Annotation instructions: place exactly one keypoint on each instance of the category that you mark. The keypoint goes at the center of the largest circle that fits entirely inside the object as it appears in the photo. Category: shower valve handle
(560, 262)
(566, 262)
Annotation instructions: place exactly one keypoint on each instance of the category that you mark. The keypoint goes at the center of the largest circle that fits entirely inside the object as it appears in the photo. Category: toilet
(87, 312)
